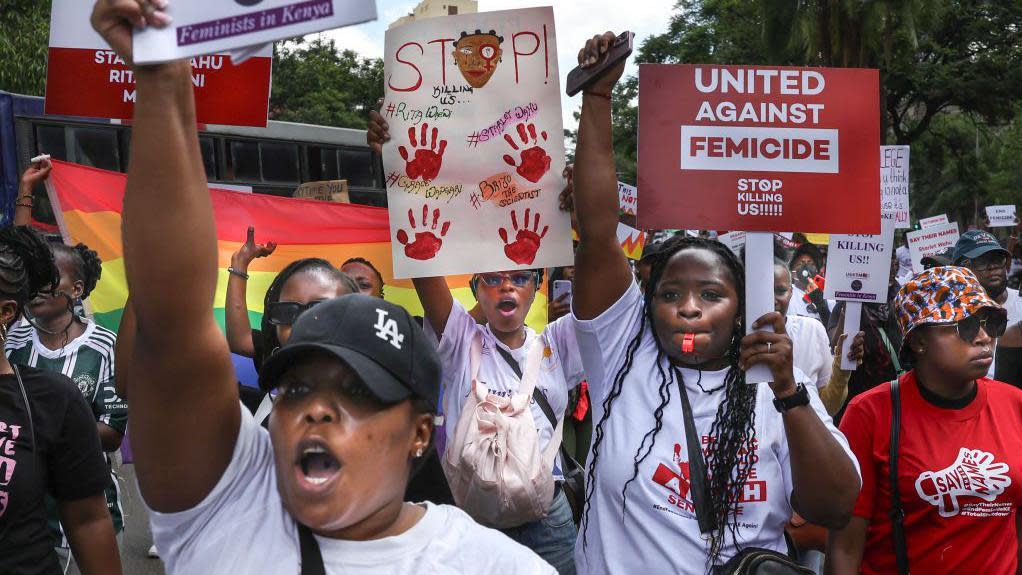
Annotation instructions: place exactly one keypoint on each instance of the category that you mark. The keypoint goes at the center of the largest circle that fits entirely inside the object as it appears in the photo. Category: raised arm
(602, 272)
(239, 328)
(124, 349)
(184, 399)
(34, 174)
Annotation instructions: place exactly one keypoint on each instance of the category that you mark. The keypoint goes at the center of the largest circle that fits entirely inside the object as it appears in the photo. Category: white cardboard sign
(934, 221)
(929, 241)
(628, 198)
(894, 183)
(1001, 216)
(475, 161)
(735, 241)
(207, 27)
(859, 266)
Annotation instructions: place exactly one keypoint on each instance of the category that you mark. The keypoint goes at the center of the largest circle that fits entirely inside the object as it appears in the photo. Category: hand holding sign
(116, 22)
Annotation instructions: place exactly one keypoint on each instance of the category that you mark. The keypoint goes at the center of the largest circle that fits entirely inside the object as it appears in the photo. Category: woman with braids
(357, 385)
(49, 444)
(645, 353)
(54, 337)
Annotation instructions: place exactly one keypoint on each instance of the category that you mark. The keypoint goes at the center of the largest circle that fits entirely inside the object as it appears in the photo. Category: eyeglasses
(517, 279)
(993, 324)
(287, 312)
(991, 261)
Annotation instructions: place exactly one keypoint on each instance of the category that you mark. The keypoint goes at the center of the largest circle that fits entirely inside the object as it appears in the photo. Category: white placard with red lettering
(85, 78)
(930, 241)
(474, 165)
(894, 184)
(859, 266)
(759, 148)
(627, 198)
(933, 221)
(1001, 216)
(213, 27)
(735, 241)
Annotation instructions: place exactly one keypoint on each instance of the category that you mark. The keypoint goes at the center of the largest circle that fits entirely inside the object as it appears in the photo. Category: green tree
(315, 83)
(24, 35)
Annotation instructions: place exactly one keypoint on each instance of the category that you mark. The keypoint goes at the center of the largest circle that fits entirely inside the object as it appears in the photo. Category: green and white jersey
(89, 361)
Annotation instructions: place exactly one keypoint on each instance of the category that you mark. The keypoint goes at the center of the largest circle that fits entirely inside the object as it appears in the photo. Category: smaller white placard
(735, 241)
(627, 198)
(1001, 216)
(859, 266)
(933, 221)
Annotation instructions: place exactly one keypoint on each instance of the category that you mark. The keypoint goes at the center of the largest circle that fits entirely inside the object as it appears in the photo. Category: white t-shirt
(242, 527)
(798, 306)
(658, 532)
(561, 369)
(1013, 304)
(810, 348)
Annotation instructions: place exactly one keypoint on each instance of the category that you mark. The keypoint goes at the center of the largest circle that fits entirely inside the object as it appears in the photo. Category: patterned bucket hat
(940, 295)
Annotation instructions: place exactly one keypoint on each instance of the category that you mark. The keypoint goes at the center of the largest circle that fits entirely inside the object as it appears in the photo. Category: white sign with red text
(627, 199)
(85, 78)
(930, 241)
(209, 27)
(474, 167)
(933, 221)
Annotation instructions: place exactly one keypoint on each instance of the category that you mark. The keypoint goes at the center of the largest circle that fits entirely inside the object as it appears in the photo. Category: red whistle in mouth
(688, 345)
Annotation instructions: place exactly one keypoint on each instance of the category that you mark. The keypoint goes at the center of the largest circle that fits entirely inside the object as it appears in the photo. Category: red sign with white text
(85, 78)
(759, 148)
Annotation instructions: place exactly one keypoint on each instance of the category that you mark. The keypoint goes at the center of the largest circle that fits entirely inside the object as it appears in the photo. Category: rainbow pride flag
(88, 202)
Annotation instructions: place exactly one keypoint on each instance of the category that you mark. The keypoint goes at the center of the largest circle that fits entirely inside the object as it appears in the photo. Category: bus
(272, 160)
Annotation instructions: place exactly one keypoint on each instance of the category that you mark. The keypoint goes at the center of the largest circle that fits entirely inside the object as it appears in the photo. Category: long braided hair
(26, 265)
(734, 427)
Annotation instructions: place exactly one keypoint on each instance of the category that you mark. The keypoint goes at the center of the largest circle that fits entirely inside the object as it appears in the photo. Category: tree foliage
(315, 83)
(24, 37)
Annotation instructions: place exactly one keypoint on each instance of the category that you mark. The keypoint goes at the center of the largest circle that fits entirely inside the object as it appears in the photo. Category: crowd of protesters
(623, 438)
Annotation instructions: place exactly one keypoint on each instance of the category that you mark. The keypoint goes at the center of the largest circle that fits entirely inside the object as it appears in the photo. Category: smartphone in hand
(562, 287)
(580, 78)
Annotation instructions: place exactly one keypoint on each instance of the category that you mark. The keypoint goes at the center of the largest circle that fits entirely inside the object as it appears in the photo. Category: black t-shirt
(60, 456)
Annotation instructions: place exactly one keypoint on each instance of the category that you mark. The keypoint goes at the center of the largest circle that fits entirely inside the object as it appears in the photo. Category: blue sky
(576, 20)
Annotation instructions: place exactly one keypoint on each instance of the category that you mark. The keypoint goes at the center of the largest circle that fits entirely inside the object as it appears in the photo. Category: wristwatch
(800, 397)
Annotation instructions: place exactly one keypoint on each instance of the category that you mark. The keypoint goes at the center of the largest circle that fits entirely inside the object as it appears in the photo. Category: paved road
(134, 559)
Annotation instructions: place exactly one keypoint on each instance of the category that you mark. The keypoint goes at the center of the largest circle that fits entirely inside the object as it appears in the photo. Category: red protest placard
(759, 148)
(85, 78)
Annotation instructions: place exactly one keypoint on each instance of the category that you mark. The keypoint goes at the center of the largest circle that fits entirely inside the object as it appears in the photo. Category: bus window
(322, 164)
(279, 161)
(357, 167)
(50, 140)
(208, 157)
(245, 160)
(97, 147)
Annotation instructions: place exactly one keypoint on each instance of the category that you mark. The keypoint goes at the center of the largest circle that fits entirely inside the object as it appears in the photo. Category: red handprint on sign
(427, 161)
(535, 160)
(426, 244)
(523, 250)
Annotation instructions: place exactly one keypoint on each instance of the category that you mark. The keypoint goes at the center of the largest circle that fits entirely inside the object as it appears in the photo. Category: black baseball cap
(378, 340)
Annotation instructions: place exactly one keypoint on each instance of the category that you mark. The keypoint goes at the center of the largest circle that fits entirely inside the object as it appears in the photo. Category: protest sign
(1001, 216)
(474, 166)
(627, 198)
(85, 78)
(894, 183)
(859, 266)
(632, 240)
(209, 27)
(929, 241)
(759, 148)
(933, 221)
(735, 241)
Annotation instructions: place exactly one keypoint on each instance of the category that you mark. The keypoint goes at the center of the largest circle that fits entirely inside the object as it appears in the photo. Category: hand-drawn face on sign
(477, 56)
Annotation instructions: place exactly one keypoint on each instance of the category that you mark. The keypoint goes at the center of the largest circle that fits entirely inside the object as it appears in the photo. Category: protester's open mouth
(316, 466)
(507, 307)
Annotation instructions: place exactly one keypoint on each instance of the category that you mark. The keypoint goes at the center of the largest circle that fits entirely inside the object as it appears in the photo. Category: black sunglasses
(287, 312)
(993, 324)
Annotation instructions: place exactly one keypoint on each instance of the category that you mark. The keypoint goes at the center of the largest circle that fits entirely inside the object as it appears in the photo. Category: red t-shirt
(958, 474)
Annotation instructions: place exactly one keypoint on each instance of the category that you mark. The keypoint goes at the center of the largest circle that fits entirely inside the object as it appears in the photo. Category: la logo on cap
(386, 329)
